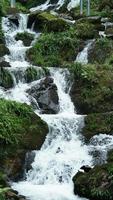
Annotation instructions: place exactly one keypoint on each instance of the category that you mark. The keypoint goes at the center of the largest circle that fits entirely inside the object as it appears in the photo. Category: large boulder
(47, 22)
(92, 90)
(21, 130)
(98, 123)
(46, 95)
(97, 184)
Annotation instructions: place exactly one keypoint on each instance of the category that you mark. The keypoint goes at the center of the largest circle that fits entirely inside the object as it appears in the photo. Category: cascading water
(63, 152)
(57, 5)
(82, 57)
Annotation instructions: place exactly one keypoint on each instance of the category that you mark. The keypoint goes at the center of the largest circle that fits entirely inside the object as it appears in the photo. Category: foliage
(16, 121)
(26, 37)
(6, 79)
(54, 49)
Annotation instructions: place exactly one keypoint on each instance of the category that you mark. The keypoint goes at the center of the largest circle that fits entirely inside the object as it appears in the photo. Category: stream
(64, 151)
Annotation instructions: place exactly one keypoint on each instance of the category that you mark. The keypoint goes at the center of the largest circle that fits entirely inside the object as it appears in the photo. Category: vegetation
(26, 37)
(17, 121)
(92, 90)
(96, 179)
(6, 79)
(32, 74)
(54, 49)
(95, 124)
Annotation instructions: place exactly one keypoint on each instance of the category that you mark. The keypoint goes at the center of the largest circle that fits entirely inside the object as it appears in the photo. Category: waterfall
(59, 4)
(82, 57)
(63, 152)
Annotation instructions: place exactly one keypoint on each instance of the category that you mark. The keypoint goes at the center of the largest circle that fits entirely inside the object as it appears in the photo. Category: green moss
(3, 49)
(101, 50)
(32, 74)
(54, 49)
(98, 123)
(4, 4)
(92, 90)
(85, 30)
(18, 124)
(6, 79)
(26, 37)
(99, 182)
(46, 22)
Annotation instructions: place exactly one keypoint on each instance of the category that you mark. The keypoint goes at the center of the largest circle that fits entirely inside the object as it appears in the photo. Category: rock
(46, 95)
(98, 123)
(91, 19)
(100, 51)
(32, 74)
(6, 79)
(29, 160)
(109, 32)
(21, 130)
(13, 195)
(55, 49)
(14, 19)
(95, 184)
(92, 90)
(3, 63)
(3, 50)
(86, 168)
(47, 22)
(26, 37)
(85, 30)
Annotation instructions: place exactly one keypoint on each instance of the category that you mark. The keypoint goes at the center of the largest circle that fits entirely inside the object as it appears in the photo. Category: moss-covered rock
(100, 123)
(95, 184)
(26, 37)
(31, 74)
(85, 29)
(55, 49)
(20, 130)
(92, 90)
(100, 51)
(47, 22)
(3, 50)
(6, 80)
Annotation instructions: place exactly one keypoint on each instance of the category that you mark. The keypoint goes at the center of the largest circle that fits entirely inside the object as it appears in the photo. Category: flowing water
(57, 5)
(64, 151)
(82, 57)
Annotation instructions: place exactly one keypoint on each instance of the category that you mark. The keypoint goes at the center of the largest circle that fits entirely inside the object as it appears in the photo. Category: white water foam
(82, 57)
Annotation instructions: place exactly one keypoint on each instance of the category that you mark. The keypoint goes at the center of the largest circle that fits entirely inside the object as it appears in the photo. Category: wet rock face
(14, 19)
(46, 95)
(3, 63)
